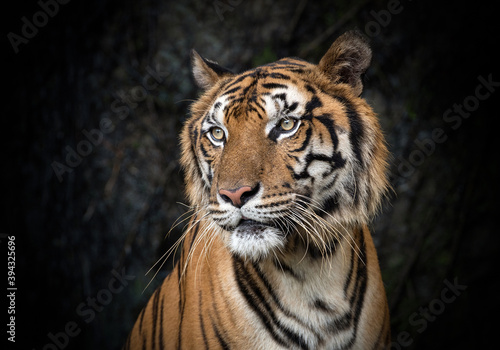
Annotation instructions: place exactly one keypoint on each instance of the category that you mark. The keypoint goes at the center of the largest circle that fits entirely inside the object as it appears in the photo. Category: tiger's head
(288, 148)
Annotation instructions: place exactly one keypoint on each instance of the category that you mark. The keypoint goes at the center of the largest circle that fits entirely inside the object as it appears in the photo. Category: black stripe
(230, 91)
(311, 105)
(239, 79)
(202, 323)
(217, 106)
(263, 308)
(329, 124)
(316, 252)
(257, 104)
(274, 134)
(274, 86)
(302, 175)
(161, 324)
(140, 320)
(336, 161)
(330, 205)
(358, 296)
(305, 143)
(336, 158)
(156, 298)
(211, 117)
(258, 304)
(281, 266)
(278, 76)
(282, 64)
(193, 133)
(221, 341)
(272, 204)
(361, 267)
(251, 108)
(204, 152)
(357, 133)
(340, 324)
(382, 331)
(362, 277)
(350, 273)
(281, 96)
(181, 301)
(332, 181)
(323, 306)
(219, 335)
(252, 84)
(293, 106)
(144, 342)
(294, 337)
(289, 66)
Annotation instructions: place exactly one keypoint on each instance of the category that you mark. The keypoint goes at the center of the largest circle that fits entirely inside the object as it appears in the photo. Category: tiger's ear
(206, 73)
(348, 58)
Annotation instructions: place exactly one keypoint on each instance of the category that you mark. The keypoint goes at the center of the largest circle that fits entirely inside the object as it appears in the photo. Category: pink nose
(238, 196)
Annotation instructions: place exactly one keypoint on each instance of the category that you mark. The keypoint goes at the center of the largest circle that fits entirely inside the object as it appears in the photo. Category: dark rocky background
(111, 80)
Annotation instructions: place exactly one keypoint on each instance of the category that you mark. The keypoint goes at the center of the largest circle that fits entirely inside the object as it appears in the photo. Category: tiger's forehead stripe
(250, 92)
(276, 70)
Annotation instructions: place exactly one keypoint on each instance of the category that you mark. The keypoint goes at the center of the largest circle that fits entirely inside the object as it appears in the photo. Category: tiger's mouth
(244, 221)
(249, 226)
(255, 240)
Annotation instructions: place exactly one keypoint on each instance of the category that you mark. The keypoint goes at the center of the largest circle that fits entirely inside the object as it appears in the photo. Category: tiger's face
(282, 150)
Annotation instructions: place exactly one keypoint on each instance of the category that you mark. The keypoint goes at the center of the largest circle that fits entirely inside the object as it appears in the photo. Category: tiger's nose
(239, 196)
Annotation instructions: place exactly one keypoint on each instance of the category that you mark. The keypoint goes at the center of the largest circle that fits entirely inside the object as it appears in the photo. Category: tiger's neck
(300, 300)
(306, 278)
(317, 278)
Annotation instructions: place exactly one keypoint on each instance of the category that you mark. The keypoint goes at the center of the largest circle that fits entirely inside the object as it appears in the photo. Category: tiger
(284, 166)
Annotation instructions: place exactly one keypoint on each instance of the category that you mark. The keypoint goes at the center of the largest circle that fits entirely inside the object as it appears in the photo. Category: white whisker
(344, 233)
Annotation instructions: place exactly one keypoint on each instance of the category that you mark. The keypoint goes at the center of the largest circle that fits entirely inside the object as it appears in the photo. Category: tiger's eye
(217, 134)
(287, 124)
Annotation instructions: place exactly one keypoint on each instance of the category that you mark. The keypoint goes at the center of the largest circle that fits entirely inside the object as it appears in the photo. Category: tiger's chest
(301, 304)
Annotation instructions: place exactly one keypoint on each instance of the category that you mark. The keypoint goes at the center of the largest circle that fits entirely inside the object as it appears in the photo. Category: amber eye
(217, 134)
(287, 124)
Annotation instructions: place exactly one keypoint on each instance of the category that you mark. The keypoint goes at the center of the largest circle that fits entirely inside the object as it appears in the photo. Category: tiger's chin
(252, 240)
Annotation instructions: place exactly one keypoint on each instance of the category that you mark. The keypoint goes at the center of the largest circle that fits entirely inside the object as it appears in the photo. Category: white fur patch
(255, 241)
